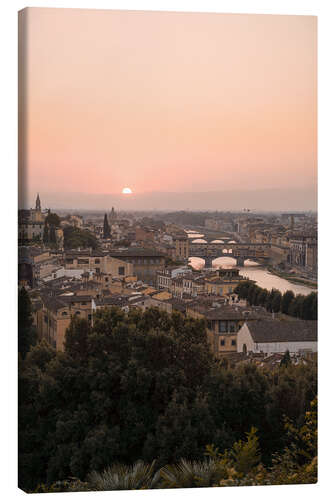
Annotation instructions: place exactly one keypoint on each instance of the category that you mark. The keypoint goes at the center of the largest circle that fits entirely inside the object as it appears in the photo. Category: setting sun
(127, 191)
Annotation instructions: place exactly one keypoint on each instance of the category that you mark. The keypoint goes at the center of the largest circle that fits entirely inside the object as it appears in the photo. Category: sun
(127, 191)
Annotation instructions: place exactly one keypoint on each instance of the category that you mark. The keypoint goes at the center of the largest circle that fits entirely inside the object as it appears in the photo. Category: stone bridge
(240, 251)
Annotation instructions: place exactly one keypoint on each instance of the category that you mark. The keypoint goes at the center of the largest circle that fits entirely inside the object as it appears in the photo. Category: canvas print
(167, 250)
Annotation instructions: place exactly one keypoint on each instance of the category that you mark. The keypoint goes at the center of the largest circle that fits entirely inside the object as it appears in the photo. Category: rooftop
(283, 331)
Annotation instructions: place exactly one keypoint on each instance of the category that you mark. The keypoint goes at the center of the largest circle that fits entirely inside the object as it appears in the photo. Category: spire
(38, 206)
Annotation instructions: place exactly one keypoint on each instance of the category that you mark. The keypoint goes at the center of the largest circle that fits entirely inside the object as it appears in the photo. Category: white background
(8, 288)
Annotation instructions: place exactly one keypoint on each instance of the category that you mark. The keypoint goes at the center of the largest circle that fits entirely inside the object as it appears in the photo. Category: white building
(274, 336)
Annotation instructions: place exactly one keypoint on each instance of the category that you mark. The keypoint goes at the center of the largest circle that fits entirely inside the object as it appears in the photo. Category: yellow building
(223, 283)
(54, 317)
(223, 323)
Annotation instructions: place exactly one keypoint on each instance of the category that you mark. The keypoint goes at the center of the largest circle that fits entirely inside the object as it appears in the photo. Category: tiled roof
(136, 252)
(283, 331)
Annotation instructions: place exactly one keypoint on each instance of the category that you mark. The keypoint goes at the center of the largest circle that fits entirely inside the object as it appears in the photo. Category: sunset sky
(172, 103)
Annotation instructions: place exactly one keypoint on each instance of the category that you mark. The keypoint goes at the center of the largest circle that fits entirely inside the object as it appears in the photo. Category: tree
(76, 338)
(295, 306)
(141, 386)
(309, 307)
(52, 235)
(26, 333)
(75, 237)
(52, 219)
(46, 233)
(276, 301)
(262, 297)
(106, 228)
(287, 298)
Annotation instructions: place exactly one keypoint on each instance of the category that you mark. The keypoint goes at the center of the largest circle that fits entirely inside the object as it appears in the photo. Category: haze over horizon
(264, 200)
(220, 115)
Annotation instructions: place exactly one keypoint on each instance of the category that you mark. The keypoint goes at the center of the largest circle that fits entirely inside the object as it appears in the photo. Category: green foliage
(106, 228)
(299, 306)
(46, 234)
(26, 333)
(123, 477)
(142, 386)
(79, 238)
(190, 474)
(246, 454)
(52, 219)
(287, 298)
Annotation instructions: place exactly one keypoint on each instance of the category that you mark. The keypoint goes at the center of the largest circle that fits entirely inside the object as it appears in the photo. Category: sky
(188, 110)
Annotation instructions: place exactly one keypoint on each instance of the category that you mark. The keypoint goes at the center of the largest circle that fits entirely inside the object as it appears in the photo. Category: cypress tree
(106, 228)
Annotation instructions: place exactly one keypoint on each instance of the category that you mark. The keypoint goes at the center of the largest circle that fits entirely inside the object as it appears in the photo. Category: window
(64, 313)
(233, 342)
(121, 271)
(222, 326)
(222, 342)
(97, 261)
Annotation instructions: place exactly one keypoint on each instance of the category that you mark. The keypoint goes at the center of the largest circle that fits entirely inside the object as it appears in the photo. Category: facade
(145, 262)
(54, 317)
(31, 223)
(98, 262)
(311, 256)
(182, 247)
(274, 336)
(223, 283)
(223, 323)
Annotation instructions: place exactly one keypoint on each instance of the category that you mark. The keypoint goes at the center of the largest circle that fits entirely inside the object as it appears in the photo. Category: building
(311, 256)
(222, 283)
(146, 262)
(54, 316)
(182, 246)
(98, 262)
(274, 336)
(164, 276)
(34, 264)
(223, 322)
(31, 223)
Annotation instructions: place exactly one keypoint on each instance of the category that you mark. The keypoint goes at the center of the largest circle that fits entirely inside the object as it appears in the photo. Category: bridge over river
(211, 250)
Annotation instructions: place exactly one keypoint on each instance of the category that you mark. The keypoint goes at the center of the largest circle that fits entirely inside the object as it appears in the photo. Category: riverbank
(293, 279)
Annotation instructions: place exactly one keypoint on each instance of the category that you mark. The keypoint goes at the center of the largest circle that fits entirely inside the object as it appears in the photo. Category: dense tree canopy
(26, 332)
(144, 386)
(299, 306)
(79, 238)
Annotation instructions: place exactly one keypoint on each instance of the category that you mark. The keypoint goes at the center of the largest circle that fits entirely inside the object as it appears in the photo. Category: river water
(254, 271)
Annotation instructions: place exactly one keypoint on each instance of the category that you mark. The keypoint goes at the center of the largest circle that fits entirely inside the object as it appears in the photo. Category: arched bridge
(240, 251)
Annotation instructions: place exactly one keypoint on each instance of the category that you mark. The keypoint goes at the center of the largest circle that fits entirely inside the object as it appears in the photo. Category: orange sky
(168, 101)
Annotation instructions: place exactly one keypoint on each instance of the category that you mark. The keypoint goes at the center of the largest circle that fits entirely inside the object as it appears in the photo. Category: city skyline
(229, 104)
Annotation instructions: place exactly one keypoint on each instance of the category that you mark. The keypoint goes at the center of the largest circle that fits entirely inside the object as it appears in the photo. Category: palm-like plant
(189, 474)
(123, 477)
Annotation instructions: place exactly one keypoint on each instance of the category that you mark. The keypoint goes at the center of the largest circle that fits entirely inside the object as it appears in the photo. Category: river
(254, 271)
